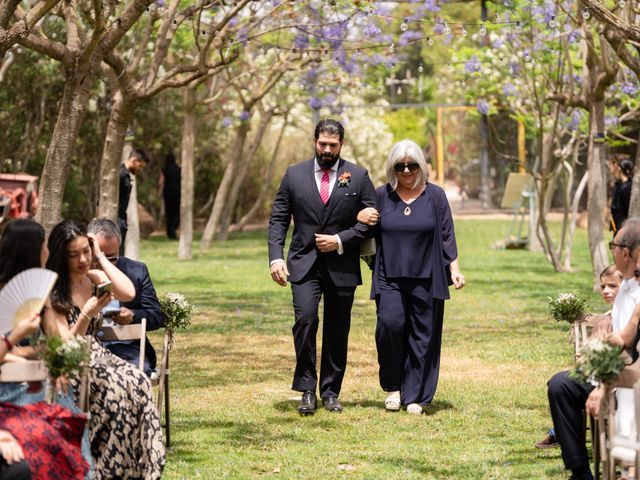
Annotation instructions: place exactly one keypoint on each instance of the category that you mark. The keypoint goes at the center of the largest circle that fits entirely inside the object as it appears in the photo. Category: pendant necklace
(407, 211)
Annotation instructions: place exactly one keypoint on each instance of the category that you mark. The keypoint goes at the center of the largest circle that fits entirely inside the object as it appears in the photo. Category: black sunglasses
(613, 244)
(399, 167)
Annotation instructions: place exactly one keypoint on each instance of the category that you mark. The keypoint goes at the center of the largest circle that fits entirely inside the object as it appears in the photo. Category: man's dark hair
(105, 227)
(139, 154)
(330, 127)
(630, 236)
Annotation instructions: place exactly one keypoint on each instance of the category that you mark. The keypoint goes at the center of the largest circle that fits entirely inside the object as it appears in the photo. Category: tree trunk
(265, 182)
(234, 154)
(241, 173)
(119, 120)
(596, 190)
(187, 166)
(574, 219)
(56, 166)
(634, 205)
(485, 177)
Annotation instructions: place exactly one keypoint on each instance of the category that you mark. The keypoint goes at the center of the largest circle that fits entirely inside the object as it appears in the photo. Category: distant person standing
(622, 170)
(133, 165)
(170, 181)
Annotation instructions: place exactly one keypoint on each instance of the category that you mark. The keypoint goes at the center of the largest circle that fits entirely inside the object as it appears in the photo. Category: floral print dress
(124, 427)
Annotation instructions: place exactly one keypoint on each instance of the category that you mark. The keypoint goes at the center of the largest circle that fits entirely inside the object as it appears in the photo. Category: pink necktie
(324, 187)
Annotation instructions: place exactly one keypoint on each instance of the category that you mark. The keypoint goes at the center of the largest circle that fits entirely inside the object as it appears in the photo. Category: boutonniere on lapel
(344, 179)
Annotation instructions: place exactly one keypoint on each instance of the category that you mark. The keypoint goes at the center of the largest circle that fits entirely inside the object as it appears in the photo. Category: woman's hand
(94, 305)
(10, 449)
(95, 246)
(62, 384)
(458, 279)
(594, 401)
(368, 216)
(615, 339)
(25, 328)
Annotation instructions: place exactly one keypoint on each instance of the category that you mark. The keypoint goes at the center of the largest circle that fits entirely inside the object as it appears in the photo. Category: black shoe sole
(306, 413)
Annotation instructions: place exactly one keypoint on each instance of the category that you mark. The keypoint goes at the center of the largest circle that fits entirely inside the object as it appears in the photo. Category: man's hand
(125, 317)
(10, 448)
(279, 272)
(326, 243)
(594, 401)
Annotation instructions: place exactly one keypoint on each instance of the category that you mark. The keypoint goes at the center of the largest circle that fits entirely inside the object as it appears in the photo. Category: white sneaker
(392, 403)
(414, 409)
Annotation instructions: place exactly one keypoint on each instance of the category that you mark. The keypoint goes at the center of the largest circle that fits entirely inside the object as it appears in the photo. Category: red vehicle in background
(18, 195)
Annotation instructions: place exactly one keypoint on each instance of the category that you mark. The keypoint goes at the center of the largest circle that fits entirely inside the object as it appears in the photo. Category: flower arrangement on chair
(63, 357)
(567, 307)
(598, 362)
(177, 313)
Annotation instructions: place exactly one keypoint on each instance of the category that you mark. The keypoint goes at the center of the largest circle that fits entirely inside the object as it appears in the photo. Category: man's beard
(327, 161)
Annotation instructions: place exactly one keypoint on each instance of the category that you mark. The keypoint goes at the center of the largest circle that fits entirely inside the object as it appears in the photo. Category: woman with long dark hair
(622, 170)
(124, 427)
(45, 437)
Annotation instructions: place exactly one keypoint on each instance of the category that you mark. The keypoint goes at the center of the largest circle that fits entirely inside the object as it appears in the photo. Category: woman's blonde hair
(401, 152)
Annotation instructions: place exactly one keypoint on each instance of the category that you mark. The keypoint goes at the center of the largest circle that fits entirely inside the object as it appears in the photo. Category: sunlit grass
(234, 414)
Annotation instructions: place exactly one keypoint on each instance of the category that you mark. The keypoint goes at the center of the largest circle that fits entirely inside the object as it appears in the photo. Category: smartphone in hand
(100, 290)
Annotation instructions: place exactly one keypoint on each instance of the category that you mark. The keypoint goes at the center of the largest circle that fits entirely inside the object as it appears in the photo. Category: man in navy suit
(144, 305)
(323, 196)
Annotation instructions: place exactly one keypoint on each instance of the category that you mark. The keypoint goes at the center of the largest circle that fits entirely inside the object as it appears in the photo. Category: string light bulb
(404, 26)
(315, 4)
(399, 91)
(421, 68)
(463, 32)
(429, 41)
(447, 29)
(392, 48)
(586, 14)
(483, 30)
(622, 4)
(552, 22)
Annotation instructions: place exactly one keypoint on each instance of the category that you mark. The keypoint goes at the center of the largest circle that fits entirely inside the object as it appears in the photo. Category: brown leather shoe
(547, 442)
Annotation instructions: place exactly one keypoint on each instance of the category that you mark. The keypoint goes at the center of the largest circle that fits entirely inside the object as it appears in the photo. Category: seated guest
(610, 280)
(124, 427)
(36, 439)
(568, 398)
(145, 303)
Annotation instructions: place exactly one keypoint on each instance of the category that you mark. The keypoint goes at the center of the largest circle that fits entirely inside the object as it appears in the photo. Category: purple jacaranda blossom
(629, 88)
(431, 5)
(301, 41)
(371, 30)
(244, 116)
(574, 123)
(438, 28)
(233, 22)
(409, 36)
(161, 3)
(242, 35)
(315, 103)
(226, 122)
(473, 65)
(329, 100)
(483, 107)
(611, 120)
(509, 90)
(498, 42)
(377, 59)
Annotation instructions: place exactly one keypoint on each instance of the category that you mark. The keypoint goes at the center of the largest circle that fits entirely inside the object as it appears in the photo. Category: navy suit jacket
(298, 198)
(145, 303)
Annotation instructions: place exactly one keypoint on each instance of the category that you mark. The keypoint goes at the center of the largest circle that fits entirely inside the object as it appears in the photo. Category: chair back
(27, 371)
(133, 331)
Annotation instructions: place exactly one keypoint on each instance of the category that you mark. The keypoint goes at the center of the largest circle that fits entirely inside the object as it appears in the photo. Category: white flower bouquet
(64, 357)
(567, 307)
(598, 362)
(177, 311)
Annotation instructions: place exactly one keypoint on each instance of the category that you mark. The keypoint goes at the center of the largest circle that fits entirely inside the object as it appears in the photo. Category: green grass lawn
(234, 413)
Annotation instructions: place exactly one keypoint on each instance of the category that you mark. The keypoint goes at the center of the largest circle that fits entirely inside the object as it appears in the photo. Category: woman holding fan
(125, 434)
(37, 440)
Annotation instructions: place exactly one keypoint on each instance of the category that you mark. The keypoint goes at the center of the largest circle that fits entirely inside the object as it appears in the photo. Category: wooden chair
(27, 371)
(138, 331)
(581, 333)
(618, 448)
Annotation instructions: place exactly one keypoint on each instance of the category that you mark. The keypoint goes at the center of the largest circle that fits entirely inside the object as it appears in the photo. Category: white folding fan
(24, 296)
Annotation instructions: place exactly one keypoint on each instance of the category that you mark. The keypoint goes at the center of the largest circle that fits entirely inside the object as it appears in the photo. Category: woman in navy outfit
(416, 261)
